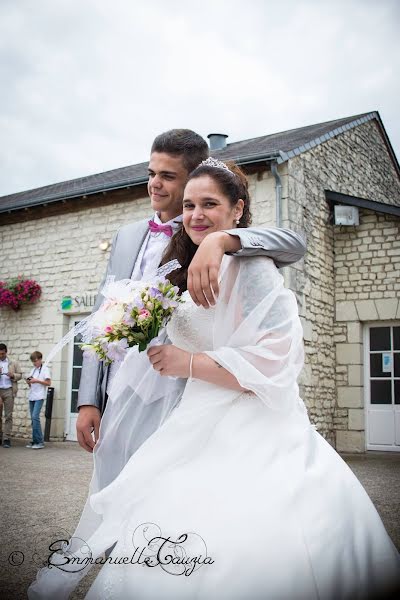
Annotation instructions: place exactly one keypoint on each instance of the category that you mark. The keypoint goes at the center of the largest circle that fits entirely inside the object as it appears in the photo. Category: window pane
(76, 377)
(381, 392)
(379, 338)
(77, 338)
(375, 362)
(396, 360)
(397, 392)
(78, 355)
(74, 401)
(396, 338)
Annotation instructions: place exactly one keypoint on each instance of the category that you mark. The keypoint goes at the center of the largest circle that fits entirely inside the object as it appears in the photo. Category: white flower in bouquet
(132, 315)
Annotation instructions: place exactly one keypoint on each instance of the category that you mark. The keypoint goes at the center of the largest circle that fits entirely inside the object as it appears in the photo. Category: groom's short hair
(182, 142)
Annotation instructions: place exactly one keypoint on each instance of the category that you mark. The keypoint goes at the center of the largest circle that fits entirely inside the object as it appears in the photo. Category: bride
(235, 496)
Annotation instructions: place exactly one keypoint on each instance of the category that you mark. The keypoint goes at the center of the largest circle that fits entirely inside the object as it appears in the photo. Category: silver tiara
(217, 164)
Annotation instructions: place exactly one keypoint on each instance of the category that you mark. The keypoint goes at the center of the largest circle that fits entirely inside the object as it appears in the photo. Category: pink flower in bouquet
(143, 315)
(108, 329)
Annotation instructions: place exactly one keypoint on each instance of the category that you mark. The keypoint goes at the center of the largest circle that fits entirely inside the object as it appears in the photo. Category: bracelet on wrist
(191, 368)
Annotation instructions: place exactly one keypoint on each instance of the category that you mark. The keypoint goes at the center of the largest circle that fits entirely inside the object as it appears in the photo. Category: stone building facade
(356, 163)
(347, 284)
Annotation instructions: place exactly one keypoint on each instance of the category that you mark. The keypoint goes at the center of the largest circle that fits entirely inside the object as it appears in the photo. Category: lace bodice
(190, 327)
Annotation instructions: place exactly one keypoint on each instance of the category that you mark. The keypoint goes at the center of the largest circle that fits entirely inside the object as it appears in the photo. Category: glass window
(78, 355)
(379, 338)
(397, 392)
(375, 362)
(74, 401)
(76, 378)
(396, 338)
(396, 360)
(77, 358)
(381, 392)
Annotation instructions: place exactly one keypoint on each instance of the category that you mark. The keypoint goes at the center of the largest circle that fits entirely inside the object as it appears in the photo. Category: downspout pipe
(278, 194)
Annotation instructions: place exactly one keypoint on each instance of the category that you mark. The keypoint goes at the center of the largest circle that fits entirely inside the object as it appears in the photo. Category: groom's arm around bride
(137, 251)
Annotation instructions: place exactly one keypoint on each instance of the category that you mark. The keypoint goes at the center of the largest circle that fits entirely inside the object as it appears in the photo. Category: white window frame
(70, 421)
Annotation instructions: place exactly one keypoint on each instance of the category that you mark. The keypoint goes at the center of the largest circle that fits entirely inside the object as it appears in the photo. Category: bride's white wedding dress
(269, 508)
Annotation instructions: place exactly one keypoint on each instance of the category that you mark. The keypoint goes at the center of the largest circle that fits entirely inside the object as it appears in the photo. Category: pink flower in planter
(18, 291)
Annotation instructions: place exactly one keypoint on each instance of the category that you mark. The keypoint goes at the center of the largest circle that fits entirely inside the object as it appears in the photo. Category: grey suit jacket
(283, 245)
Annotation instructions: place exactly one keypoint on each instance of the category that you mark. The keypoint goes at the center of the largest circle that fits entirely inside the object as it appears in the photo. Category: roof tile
(288, 143)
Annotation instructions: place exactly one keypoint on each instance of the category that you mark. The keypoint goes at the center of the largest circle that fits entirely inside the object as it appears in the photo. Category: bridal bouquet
(132, 315)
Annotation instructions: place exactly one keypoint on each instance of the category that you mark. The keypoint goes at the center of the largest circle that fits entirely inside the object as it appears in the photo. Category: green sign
(78, 303)
(66, 303)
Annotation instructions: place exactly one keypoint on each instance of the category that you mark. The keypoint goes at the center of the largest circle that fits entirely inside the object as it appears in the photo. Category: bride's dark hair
(233, 184)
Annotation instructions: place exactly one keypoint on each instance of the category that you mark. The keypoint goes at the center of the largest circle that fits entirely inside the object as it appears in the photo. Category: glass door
(383, 387)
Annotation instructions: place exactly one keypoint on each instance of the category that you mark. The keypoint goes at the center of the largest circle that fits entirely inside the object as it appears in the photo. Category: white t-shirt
(38, 391)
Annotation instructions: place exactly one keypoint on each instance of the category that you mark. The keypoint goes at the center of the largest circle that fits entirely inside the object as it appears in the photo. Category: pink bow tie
(155, 228)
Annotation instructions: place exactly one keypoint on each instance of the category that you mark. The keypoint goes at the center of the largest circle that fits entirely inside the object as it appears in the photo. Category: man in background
(10, 374)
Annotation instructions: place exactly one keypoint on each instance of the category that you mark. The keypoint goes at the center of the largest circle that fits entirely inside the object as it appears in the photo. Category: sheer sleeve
(257, 334)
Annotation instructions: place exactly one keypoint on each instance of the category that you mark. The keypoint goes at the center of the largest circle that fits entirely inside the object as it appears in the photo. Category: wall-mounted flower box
(19, 291)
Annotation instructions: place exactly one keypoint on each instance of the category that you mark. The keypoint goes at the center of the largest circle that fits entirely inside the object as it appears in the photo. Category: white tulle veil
(257, 336)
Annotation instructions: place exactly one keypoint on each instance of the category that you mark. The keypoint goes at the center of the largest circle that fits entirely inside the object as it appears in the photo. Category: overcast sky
(87, 84)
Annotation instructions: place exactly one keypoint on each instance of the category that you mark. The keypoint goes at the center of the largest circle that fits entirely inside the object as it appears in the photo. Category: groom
(138, 247)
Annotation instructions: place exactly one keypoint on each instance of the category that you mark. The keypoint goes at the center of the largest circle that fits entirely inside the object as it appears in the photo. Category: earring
(237, 221)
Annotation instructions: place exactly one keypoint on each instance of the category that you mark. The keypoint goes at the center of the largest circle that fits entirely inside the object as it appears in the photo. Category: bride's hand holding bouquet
(133, 314)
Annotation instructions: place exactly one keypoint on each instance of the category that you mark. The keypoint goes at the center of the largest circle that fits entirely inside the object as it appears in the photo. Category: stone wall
(367, 282)
(355, 163)
(57, 246)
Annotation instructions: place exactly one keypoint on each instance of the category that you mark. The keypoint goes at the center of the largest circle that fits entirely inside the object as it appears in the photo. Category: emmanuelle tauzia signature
(182, 555)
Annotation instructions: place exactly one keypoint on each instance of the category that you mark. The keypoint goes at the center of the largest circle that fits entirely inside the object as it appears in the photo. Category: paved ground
(43, 491)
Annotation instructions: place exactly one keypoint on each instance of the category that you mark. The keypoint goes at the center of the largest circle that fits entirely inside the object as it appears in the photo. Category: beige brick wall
(60, 251)
(58, 247)
(354, 163)
(367, 276)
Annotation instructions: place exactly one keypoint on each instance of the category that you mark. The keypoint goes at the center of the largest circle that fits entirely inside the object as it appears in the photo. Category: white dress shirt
(146, 265)
(5, 381)
(152, 249)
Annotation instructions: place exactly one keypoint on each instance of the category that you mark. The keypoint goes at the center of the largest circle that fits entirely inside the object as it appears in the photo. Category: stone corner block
(350, 441)
(354, 333)
(387, 308)
(356, 419)
(350, 397)
(355, 375)
(366, 310)
(349, 354)
(346, 311)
